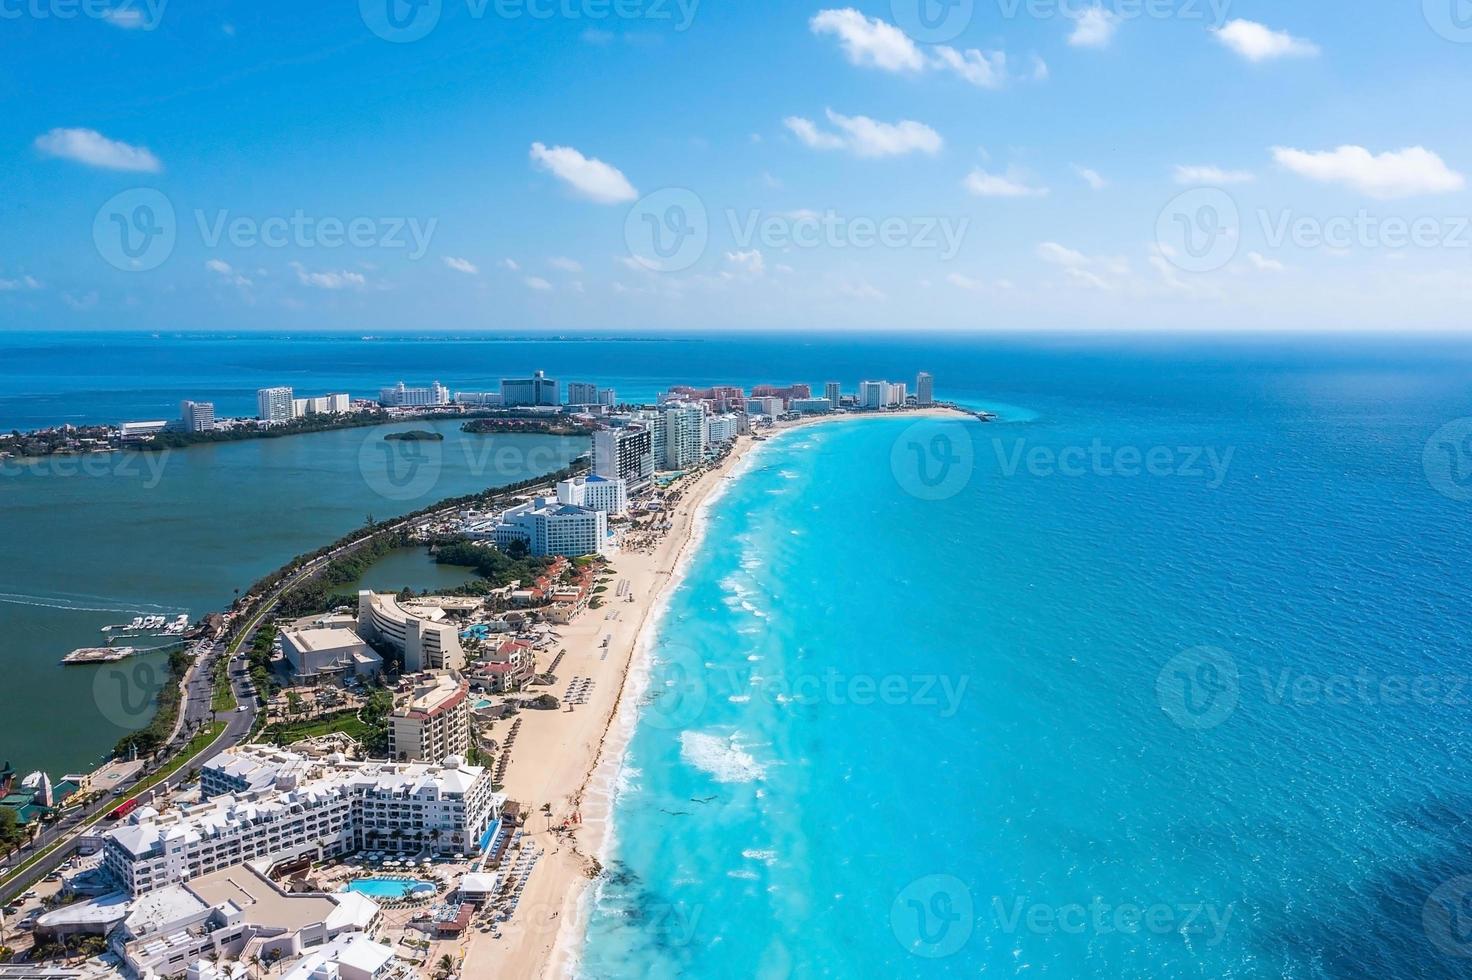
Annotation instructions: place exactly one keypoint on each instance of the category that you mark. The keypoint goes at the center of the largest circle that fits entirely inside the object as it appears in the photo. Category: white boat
(153, 622)
(136, 624)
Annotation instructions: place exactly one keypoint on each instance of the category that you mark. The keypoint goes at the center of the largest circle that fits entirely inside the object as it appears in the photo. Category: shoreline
(572, 761)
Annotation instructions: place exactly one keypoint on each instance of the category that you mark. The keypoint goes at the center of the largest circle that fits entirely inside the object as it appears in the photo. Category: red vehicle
(125, 808)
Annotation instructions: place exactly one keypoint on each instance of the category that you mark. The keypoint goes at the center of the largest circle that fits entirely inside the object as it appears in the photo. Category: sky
(689, 165)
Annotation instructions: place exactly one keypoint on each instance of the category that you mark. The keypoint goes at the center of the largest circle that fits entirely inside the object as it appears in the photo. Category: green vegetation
(527, 423)
(12, 834)
(222, 698)
(296, 427)
(494, 568)
(202, 740)
(153, 737)
(346, 722)
(259, 660)
(416, 435)
(318, 594)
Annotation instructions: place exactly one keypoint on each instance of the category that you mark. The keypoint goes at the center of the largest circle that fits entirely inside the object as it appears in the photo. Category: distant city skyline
(1030, 167)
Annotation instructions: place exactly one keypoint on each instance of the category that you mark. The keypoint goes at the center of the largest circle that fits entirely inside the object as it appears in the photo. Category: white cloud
(95, 150)
(14, 285)
(859, 289)
(329, 279)
(538, 283)
(1264, 264)
(511, 264)
(984, 69)
(589, 177)
(973, 285)
(867, 137)
(565, 264)
(1055, 254)
(1255, 42)
(1094, 28)
(1211, 175)
(1091, 177)
(983, 184)
(748, 263)
(1403, 173)
(225, 270)
(461, 265)
(869, 42)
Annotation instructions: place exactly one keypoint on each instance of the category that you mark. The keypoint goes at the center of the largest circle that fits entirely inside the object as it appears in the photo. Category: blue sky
(1034, 166)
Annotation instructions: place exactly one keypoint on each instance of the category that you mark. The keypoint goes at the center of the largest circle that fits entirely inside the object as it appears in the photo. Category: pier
(98, 655)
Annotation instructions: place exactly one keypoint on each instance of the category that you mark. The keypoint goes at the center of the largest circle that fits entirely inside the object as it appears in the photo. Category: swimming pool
(483, 703)
(389, 887)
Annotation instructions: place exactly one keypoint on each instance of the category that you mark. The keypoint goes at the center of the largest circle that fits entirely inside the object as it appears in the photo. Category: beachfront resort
(415, 757)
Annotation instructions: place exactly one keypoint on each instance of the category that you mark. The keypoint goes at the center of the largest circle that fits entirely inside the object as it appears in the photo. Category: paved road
(196, 711)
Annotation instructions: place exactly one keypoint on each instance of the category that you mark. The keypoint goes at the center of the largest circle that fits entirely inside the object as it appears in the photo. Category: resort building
(595, 493)
(536, 390)
(273, 405)
(625, 453)
(881, 394)
(787, 394)
(549, 527)
(653, 420)
(479, 399)
(400, 396)
(582, 393)
(721, 428)
(509, 666)
(812, 406)
(833, 391)
(764, 406)
(321, 405)
(434, 722)
(328, 654)
(239, 913)
(197, 416)
(311, 808)
(684, 436)
(416, 629)
(924, 389)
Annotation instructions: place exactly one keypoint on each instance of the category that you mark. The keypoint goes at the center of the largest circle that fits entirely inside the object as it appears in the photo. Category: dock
(98, 655)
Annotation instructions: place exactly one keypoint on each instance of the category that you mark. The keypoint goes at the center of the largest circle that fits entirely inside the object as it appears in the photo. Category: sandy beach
(564, 762)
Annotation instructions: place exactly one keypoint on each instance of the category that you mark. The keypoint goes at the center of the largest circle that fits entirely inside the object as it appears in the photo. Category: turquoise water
(389, 887)
(1063, 715)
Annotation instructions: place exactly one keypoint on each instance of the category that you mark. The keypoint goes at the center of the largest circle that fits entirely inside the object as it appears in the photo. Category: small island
(416, 435)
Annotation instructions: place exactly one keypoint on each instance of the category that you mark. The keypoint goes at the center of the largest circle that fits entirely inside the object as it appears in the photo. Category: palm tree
(446, 965)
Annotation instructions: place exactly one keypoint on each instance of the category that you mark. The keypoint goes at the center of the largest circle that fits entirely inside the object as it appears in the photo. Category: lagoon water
(98, 541)
(1069, 713)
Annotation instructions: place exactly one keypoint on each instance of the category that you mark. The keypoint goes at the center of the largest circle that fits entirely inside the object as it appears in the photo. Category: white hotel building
(298, 807)
(419, 630)
(550, 527)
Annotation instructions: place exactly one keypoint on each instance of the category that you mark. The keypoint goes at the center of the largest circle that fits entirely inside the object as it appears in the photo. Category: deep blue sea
(1169, 679)
(1163, 675)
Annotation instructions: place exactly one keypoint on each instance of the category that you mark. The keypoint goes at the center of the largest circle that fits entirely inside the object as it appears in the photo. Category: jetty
(98, 655)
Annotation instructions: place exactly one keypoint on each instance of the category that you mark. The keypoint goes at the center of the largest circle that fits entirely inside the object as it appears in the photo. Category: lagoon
(98, 541)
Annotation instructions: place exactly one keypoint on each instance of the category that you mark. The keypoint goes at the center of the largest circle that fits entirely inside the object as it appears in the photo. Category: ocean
(1162, 675)
(1169, 679)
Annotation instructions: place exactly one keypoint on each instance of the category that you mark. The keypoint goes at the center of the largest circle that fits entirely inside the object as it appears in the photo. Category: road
(195, 711)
